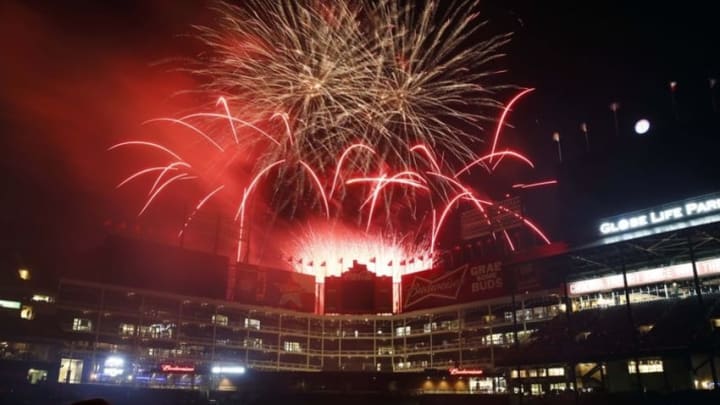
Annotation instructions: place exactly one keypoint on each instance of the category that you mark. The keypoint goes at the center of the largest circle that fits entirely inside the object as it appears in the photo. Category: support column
(631, 321)
(698, 292)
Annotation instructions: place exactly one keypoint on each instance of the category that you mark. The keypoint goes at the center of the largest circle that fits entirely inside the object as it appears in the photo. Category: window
(254, 343)
(82, 325)
(385, 350)
(42, 298)
(220, 320)
(252, 323)
(35, 376)
(556, 371)
(293, 347)
(127, 329)
(450, 325)
(494, 339)
(558, 386)
(646, 366)
(402, 331)
(429, 327)
(26, 312)
(157, 331)
(70, 371)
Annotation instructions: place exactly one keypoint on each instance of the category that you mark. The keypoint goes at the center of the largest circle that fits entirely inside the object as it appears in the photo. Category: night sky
(78, 76)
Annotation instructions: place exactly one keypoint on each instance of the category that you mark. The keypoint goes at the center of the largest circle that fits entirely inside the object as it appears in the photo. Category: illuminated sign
(462, 371)
(114, 366)
(228, 370)
(172, 368)
(682, 271)
(692, 208)
(9, 304)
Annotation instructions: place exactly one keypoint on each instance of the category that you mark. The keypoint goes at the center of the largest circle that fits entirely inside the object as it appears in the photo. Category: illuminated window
(27, 312)
(556, 371)
(450, 325)
(429, 327)
(514, 374)
(35, 376)
(157, 331)
(532, 373)
(293, 347)
(385, 350)
(646, 366)
(716, 322)
(220, 320)
(256, 343)
(402, 331)
(70, 371)
(24, 274)
(252, 323)
(10, 304)
(82, 325)
(558, 386)
(127, 329)
(42, 298)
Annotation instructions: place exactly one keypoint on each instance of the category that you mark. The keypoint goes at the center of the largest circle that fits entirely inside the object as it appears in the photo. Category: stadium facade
(637, 309)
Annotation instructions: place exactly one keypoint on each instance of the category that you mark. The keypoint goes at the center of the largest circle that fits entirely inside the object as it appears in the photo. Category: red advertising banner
(466, 283)
(275, 288)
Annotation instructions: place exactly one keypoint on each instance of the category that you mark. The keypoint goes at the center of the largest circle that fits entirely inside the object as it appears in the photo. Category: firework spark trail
(537, 184)
(491, 155)
(222, 101)
(340, 163)
(148, 144)
(159, 189)
(381, 182)
(318, 184)
(369, 72)
(198, 207)
(189, 126)
(140, 173)
(317, 83)
(438, 226)
(503, 116)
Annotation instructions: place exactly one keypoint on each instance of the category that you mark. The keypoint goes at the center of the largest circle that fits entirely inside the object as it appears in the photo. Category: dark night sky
(79, 75)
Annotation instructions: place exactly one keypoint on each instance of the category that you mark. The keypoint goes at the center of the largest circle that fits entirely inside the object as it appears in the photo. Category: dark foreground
(55, 394)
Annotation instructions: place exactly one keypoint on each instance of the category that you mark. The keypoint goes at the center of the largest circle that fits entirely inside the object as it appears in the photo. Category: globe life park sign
(673, 216)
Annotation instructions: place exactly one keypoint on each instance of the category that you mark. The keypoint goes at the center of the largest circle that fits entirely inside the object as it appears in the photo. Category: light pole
(584, 129)
(556, 138)
(614, 107)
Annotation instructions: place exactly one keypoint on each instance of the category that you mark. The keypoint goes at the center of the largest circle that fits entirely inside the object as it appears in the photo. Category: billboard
(466, 283)
(275, 288)
(503, 215)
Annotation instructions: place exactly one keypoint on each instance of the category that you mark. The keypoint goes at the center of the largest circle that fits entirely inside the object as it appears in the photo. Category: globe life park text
(692, 208)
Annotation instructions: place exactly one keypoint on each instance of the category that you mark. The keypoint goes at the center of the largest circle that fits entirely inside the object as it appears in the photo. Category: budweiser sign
(467, 283)
(446, 286)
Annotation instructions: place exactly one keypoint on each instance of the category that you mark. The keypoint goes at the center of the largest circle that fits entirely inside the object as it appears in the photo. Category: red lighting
(171, 368)
(462, 371)
(538, 184)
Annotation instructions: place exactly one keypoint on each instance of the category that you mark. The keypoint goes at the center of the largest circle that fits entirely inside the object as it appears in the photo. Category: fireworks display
(353, 122)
